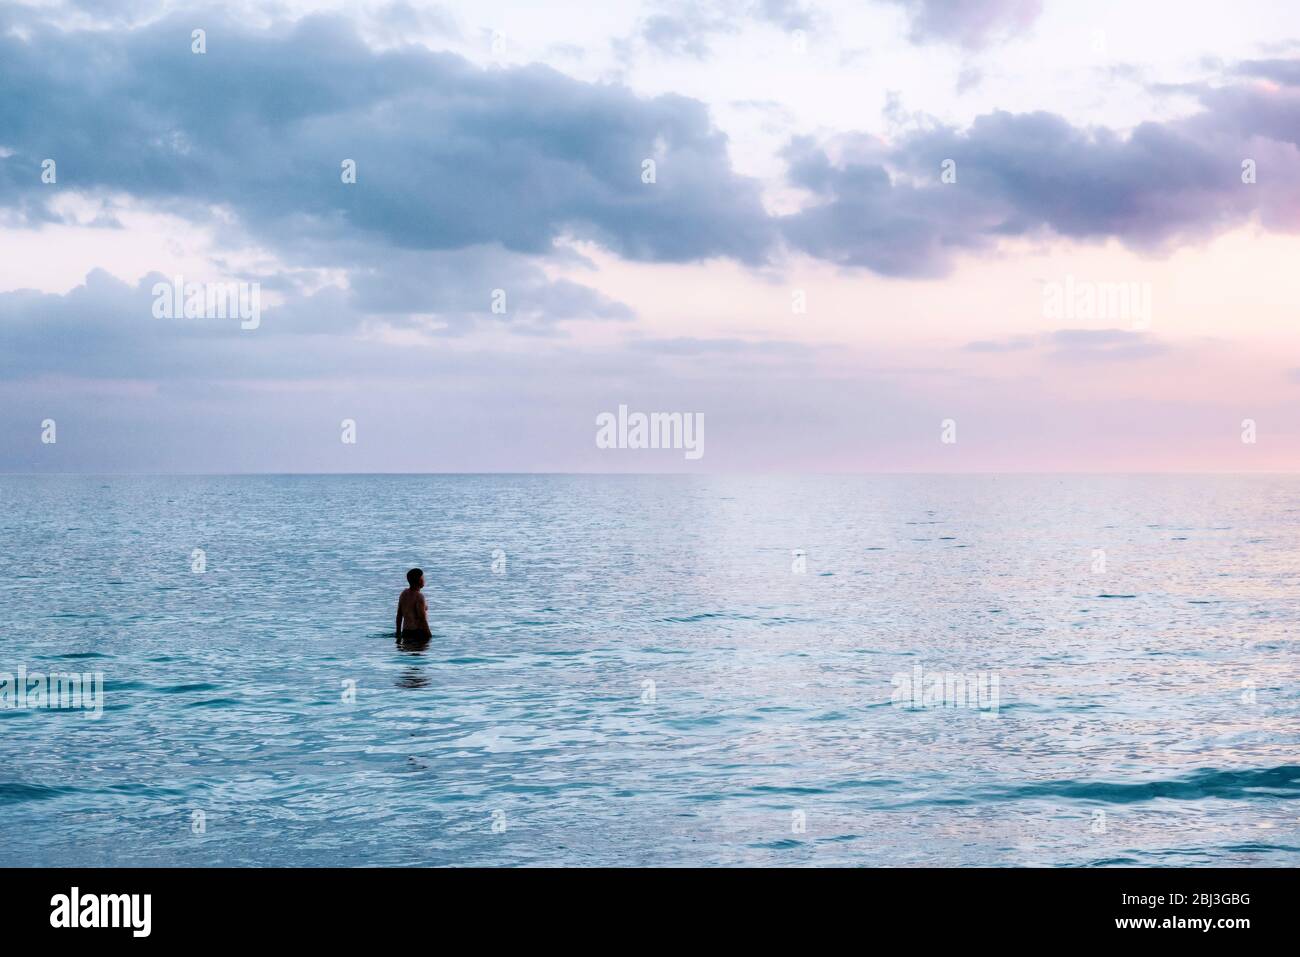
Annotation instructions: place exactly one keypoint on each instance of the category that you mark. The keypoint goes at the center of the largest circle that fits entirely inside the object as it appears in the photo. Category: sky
(880, 235)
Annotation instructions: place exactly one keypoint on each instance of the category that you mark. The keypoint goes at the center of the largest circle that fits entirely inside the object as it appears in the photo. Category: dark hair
(414, 575)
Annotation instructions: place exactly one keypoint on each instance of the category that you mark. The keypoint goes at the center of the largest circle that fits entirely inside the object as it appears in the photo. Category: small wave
(1252, 784)
(706, 616)
(19, 792)
(1257, 848)
(116, 686)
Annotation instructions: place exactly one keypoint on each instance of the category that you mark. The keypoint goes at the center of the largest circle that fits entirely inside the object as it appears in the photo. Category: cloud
(105, 328)
(693, 346)
(686, 31)
(687, 28)
(786, 14)
(1277, 70)
(969, 79)
(1013, 344)
(448, 155)
(1077, 345)
(969, 23)
(514, 162)
(1090, 345)
(883, 205)
(453, 290)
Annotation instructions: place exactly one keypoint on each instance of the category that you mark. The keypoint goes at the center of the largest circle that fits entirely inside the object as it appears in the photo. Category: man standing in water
(412, 612)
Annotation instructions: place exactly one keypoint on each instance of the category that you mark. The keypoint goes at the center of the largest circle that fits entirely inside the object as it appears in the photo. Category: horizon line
(696, 474)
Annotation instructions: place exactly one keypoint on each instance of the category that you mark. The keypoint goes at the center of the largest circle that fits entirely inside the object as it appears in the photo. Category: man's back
(412, 614)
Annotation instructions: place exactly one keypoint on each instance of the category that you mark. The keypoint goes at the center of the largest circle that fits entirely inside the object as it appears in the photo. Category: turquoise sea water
(648, 680)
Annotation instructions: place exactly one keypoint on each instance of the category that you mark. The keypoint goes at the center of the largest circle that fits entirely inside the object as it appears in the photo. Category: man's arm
(422, 610)
(399, 619)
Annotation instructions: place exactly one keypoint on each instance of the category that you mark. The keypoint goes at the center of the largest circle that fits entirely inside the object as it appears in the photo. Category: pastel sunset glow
(1070, 230)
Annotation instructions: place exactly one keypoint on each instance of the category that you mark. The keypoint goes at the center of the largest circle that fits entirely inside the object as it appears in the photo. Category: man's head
(415, 578)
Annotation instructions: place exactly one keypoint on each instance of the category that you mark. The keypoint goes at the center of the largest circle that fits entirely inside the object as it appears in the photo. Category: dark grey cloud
(883, 206)
(862, 218)
(448, 155)
(969, 23)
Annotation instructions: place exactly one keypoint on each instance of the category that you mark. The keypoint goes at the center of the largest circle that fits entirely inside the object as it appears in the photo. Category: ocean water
(647, 679)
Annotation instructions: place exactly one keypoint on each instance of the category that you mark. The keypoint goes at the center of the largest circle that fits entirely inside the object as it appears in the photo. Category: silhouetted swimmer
(412, 612)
